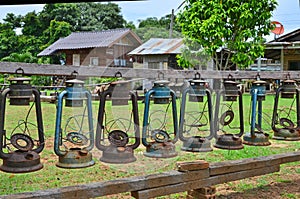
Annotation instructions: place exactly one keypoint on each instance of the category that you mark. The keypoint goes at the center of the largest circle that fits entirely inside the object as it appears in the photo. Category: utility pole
(171, 24)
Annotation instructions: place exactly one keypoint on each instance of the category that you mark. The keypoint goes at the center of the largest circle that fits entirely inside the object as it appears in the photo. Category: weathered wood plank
(181, 181)
(220, 168)
(92, 71)
(181, 187)
(192, 166)
(115, 186)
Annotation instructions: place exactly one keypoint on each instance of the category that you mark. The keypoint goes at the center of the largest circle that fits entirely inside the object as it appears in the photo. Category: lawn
(52, 177)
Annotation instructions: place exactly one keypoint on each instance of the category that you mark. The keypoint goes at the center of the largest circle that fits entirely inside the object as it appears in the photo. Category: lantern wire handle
(19, 71)
(74, 74)
(118, 74)
(257, 76)
(25, 122)
(163, 121)
(197, 75)
(160, 75)
(119, 120)
(193, 115)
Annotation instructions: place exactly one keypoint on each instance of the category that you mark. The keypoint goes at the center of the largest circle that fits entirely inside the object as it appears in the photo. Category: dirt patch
(284, 184)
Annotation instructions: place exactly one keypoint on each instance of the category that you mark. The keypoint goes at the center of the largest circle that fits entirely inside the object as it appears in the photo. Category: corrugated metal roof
(157, 46)
(80, 40)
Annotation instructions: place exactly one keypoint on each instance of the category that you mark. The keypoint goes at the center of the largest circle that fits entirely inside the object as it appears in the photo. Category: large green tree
(84, 16)
(237, 25)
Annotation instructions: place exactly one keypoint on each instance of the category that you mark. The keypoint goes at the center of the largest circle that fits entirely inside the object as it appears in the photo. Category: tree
(32, 25)
(8, 40)
(23, 57)
(192, 56)
(84, 16)
(237, 25)
(146, 33)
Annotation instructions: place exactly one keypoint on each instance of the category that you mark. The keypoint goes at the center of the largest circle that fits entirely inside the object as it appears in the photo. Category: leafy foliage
(23, 37)
(192, 56)
(237, 25)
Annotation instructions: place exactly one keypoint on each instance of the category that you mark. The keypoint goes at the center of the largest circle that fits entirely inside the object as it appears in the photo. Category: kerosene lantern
(228, 126)
(286, 112)
(256, 136)
(21, 145)
(195, 122)
(160, 122)
(74, 133)
(118, 132)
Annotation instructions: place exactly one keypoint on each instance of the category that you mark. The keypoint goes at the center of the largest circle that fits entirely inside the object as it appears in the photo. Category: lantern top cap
(230, 82)
(259, 82)
(289, 81)
(20, 79)
(75, 81)
(197, 81)
(161, 82)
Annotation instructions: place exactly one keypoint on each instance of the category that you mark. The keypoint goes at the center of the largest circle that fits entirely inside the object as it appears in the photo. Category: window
(94, 61)
(153, 65)
(76, 59)
(294, 65)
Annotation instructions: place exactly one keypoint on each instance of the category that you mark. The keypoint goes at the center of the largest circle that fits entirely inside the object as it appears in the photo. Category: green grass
(52, 177)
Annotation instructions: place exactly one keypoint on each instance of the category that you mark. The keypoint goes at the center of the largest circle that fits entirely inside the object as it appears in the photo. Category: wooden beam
(220, 168)
(181, 187)
(174, 180)
(97, 189)
(97, 71)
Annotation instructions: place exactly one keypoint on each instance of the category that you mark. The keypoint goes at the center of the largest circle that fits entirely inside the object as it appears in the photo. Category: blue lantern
(160, 125)
(256, 136)
(74, 133)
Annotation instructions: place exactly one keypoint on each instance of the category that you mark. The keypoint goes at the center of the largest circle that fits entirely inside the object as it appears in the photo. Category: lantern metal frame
(289, 131)
(196, 92)
(162, 145)
(75, 157)
(118, 151)
(26, 158)
(229, 141)
(257, 137)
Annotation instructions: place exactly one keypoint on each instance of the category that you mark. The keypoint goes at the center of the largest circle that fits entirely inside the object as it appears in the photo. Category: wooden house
(158, 53)
(101, 48)
(282, 53)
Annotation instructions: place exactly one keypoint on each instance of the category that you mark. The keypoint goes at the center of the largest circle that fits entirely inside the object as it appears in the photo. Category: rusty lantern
(228, 128)
(20, 148)
(158, 137)
(195, 122)
(256, 136)
(74, 136)
(118, 136)
(286, 112)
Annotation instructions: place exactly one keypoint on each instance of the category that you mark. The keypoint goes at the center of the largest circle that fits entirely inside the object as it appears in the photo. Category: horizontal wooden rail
(93, 71)
(169, 182)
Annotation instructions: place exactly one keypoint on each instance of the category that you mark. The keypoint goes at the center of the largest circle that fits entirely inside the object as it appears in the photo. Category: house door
(76, 59)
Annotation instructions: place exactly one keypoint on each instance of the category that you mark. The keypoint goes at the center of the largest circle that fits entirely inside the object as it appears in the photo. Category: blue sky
(288, 11)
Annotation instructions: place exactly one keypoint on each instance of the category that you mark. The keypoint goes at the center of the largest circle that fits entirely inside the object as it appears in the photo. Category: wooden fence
(93, 71)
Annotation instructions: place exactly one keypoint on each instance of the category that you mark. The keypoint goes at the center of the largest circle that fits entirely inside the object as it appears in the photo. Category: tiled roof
(80, 40)
(158, 46)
